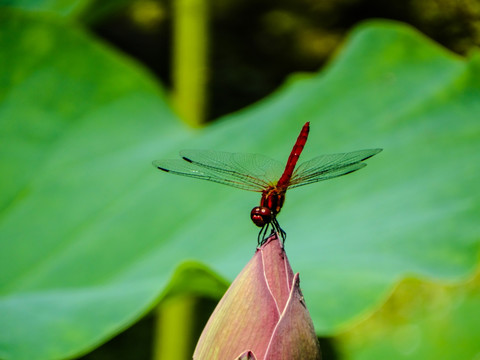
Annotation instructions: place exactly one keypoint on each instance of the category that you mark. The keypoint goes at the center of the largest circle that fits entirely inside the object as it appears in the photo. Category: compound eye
(261, 215)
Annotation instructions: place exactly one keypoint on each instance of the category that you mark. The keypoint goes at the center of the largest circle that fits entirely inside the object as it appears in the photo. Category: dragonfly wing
(326, 167)
(245, 171)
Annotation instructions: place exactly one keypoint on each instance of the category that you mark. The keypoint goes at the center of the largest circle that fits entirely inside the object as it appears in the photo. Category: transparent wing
(244, 171)
(326, 167)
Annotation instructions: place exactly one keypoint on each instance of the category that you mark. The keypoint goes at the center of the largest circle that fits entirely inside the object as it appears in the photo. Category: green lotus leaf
(91, 233)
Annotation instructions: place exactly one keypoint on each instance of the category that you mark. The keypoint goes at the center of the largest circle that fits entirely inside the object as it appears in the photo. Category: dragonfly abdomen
(284, 180)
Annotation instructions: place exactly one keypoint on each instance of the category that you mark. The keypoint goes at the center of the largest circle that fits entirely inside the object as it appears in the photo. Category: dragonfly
(258, 173)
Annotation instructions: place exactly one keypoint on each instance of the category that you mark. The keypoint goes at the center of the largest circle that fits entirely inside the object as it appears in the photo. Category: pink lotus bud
(262, 315)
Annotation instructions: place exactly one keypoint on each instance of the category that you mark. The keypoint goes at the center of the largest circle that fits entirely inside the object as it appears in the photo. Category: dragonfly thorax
(273, 199)
(270, 205)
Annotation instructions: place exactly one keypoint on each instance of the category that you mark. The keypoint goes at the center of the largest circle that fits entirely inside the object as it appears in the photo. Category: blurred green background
(92, 238)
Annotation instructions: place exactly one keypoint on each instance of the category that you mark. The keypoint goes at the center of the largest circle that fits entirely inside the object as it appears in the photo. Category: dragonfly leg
(276, 228)
(262, 235)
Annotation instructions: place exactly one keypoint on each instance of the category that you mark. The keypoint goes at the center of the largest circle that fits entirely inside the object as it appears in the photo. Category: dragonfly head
(261, 215)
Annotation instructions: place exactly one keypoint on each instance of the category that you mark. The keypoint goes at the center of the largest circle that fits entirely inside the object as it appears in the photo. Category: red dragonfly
(259, 173)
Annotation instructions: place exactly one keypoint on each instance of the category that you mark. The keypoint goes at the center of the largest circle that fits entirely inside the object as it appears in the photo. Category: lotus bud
(262, 315)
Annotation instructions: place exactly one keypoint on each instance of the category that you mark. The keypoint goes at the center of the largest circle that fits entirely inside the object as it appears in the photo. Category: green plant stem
(190, 47)
(174, 329)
